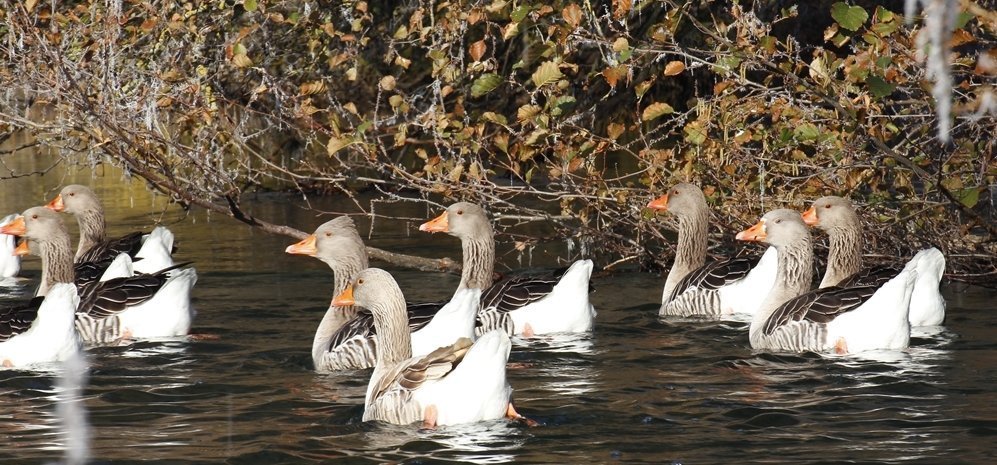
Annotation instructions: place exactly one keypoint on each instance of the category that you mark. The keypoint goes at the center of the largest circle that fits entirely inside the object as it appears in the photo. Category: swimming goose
(41, 330)
(95, 250)
(518, 305)
(139, 306)
(346, 337)
(844, 320)
(716, 289)
(837, 217)
(459, 383)
(10, 264)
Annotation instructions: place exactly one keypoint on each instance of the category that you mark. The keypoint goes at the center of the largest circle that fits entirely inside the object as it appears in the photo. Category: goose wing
(515, 292)
(362, 325)
(398, 384)
(714, 275)
(820, 306)
(107, 250)
(18, 319)
(875, 276)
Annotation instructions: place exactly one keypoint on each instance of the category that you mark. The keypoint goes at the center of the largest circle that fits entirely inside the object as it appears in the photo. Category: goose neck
(844, 256)
(794, 274)
(479, 262)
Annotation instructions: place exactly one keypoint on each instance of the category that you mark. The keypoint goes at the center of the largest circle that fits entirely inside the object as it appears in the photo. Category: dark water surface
(636, 390)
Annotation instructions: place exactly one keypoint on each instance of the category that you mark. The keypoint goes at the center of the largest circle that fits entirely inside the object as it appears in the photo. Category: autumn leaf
(526, 112)
(387, 83)
(674, 67)
(310, 88)
(621, 8)
(613, 74)
(477, 50)
(242, 60)
(546, 73)
(614, 130)
(572, 15)
(656, 110)
(336, 144)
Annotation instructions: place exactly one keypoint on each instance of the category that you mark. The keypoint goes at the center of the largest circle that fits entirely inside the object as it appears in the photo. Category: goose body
(837, 217)
(844, 320)
(523, 305)
(713, 290)
(121, 306)
(458, 383)
(10, 264)
(346, 337)
(41, 330)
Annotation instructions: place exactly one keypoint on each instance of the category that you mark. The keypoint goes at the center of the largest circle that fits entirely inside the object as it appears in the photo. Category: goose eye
(360, 281)
(675, 192)
(34, 217)
(460, 212)
(328, 234)
(778, 221)
(72, 194)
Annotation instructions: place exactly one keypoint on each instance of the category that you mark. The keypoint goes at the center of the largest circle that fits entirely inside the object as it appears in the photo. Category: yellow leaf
(242, 60)
(546, 73)
(387, 83)
(336, 144)
(310, 88)
(477, 50)
(526, 112)
(614, 130)
(674, 67)
(621, 44)
(655, 110)
(621, 8)
(30, 5)
(613, 74)
(402, 61)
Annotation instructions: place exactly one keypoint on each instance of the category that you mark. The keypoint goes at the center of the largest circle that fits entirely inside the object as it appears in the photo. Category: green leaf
(695, 133)
(563, 104)
(485, 84)
(963, 18)
(546, 73)
(968, 197)
(849, 17)
(656, 110)
(879, 87)
(250, 5)
(806, 131)
(520, 13)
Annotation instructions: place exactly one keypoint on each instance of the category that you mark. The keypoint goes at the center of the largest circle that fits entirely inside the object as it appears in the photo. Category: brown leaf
(387, 83)
(477, 50)
(621, 8)
(310, 88)
(674, 67)
(572, 15)
(613, 74)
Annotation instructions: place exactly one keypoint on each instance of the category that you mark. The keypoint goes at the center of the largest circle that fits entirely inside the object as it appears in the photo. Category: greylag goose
(41, 330)
(459, 383)
(519, 305)
(837, 217)
(346, 337)
(140, 306)
(843, 320)
(95, 250)
(10, 264)
(717, 289)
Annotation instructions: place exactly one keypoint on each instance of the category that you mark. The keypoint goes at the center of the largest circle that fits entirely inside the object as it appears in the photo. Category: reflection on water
(639, 389)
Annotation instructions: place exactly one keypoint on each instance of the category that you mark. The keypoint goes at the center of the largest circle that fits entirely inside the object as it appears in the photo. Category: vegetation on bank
(574, 113)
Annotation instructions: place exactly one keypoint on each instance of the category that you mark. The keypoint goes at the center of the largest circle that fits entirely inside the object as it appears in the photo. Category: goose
(717, 289)
(459, 383)
(10, 264)
(114, 310)
(95, 250)
(843, 320)
(837, 217)
(346, 337)
(41, 330)
(519, 305)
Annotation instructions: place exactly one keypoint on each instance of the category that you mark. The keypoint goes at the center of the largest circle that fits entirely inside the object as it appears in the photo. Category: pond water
(635, 390)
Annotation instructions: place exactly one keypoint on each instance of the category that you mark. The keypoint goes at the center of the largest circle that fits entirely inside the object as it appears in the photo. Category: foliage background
(573, 114)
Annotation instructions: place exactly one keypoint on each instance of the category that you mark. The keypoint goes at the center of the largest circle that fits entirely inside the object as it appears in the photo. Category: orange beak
(15, 227)
(660, 203)
(438, 224)
(22, 249)
(345, 298)
(810, 217)
(755, 233)
(305, 247)
(56, 204)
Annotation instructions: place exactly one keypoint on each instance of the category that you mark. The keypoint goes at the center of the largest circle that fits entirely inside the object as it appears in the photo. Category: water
(636, 390)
